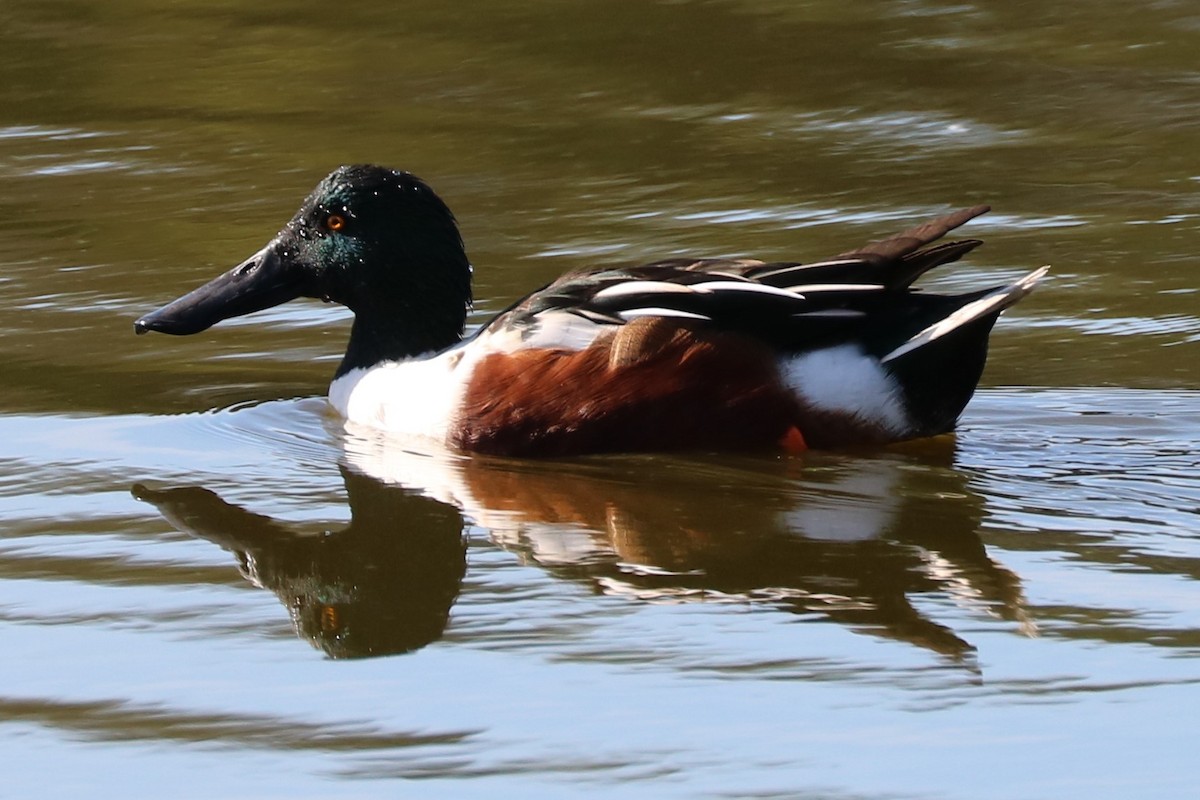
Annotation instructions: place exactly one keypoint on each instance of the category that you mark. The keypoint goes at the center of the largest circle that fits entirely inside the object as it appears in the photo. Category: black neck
(374, 340)
(412, 303)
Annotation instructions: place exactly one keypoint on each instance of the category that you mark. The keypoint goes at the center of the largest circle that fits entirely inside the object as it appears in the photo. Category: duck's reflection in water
(382, 584)
(849, 539)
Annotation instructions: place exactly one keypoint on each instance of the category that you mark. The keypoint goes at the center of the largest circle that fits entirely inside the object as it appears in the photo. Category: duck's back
(709, 354)
(722, 353)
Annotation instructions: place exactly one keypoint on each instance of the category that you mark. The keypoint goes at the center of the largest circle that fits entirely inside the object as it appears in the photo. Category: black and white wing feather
(864, 295)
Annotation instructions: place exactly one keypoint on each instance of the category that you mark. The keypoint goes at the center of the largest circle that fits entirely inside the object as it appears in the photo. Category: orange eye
(335, 222)
(329, 616)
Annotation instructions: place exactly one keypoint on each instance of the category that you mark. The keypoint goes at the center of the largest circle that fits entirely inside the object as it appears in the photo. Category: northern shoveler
(678, 354)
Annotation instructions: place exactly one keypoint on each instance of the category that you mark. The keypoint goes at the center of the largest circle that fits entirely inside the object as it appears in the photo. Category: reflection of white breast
(412, 462)
(438, 472)
(421, 464)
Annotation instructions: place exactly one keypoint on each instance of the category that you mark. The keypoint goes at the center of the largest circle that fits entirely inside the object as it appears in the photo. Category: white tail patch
(998, 300)
(845, 380)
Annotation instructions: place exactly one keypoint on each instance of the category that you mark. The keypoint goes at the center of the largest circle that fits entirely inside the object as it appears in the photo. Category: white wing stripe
(743, 286)
(831, 313)
(634, 313)
(811, 288)
(641, 287)
(650, 288)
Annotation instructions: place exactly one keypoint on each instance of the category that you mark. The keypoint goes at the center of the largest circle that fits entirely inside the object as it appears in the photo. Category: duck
(709, 354)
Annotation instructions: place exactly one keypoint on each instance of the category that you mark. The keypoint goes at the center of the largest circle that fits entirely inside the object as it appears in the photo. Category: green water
(197, 562)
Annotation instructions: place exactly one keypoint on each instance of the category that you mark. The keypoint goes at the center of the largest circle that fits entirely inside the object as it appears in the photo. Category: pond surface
(210, 587)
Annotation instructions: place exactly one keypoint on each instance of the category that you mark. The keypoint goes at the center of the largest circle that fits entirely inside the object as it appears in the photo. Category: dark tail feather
(940, 366)
(939, 379)
(902, 244)
(914, 265)
(989, 302)
(908, 260)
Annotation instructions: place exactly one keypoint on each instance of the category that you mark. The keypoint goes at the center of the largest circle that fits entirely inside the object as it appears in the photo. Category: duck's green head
(376, 240)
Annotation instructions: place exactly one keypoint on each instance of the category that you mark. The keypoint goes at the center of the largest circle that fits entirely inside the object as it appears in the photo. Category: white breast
(415, 397)
(421, 396)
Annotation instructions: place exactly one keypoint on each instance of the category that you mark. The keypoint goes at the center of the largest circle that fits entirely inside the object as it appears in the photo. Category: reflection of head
(384, 584)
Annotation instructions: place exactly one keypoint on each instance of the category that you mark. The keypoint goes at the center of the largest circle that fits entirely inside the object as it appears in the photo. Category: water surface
(209, 587)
